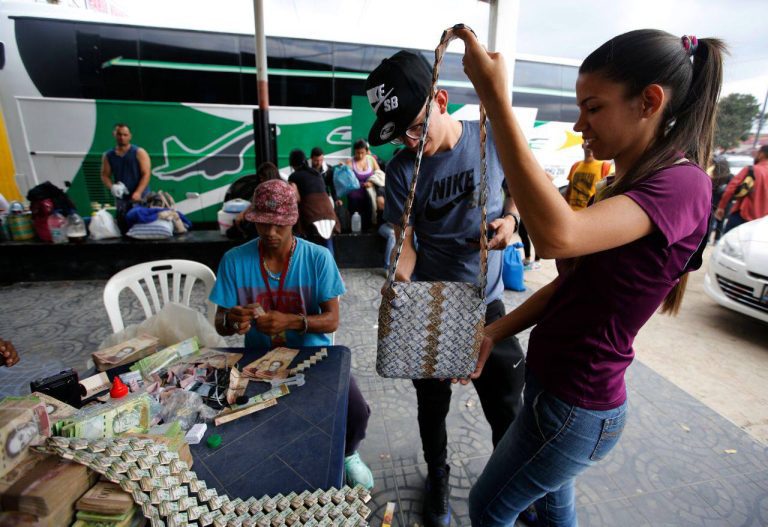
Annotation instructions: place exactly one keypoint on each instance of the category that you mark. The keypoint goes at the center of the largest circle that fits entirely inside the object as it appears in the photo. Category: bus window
(188, 66)
(118, 60)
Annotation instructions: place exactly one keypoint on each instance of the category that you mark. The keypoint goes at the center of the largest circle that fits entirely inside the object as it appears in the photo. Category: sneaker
(437, 509)
(536, 265)
(528, 267)
(357, 472)
(529, 517)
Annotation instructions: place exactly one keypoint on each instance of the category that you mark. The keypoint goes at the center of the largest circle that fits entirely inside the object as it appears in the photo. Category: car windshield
(736, 163)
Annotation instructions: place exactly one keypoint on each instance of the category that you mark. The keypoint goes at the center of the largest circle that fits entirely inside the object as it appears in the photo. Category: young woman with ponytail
(647, 100)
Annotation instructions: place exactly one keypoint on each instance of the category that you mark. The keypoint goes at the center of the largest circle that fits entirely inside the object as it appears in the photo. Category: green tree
(735, 115)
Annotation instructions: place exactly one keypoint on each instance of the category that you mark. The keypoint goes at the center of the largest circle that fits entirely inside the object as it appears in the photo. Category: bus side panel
(196, 151)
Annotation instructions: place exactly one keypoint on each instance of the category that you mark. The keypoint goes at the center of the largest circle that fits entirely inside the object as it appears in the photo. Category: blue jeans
(539, 457)
(388, 232)
(734, 220)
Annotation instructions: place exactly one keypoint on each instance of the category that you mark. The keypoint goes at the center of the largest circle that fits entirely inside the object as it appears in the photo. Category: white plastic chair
(169, 275)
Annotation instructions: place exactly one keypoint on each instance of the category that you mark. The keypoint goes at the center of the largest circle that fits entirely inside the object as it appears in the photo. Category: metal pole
(760, 122)
(502, 33)
(261, 129)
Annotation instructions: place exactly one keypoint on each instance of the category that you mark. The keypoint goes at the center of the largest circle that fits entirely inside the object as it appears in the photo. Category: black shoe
(529, 517)
(437, 509)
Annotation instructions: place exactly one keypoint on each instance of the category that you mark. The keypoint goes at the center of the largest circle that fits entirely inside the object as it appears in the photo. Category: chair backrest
(141, 278)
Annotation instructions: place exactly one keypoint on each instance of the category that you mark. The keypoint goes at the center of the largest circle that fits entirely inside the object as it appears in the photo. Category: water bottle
(57, 224)
(76, 228)
(357, 222)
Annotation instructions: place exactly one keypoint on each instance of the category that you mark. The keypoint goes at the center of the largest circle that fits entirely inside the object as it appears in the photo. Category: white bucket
(226, 219)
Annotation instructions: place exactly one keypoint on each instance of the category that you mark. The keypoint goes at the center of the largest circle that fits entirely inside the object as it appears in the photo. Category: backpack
(344, 180)
(747, 184)
(48, 190)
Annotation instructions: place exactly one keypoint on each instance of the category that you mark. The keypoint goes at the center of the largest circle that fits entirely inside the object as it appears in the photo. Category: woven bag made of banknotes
(433, 329)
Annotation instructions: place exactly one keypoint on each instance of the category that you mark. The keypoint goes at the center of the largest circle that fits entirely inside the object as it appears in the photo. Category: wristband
(517, 219)
(305, 322)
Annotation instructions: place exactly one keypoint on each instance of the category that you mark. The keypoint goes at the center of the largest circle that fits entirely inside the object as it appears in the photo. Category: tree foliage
(736, 113)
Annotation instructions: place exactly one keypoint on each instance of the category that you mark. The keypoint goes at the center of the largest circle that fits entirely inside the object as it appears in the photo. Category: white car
(737, 162)
(738, 270)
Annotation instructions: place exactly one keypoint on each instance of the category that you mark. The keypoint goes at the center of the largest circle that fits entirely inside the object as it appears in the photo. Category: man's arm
(407, 262)
(144, 169)
(505, 226)
(106, 172)
(730, 190)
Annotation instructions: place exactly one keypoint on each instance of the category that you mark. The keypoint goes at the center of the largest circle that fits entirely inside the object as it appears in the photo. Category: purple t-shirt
(583, 343)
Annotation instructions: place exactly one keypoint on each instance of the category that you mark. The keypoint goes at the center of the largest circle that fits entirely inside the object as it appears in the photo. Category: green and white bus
(68, 75)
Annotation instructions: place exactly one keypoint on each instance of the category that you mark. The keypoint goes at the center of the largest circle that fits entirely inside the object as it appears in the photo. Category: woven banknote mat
(433, 330)
(169, 494)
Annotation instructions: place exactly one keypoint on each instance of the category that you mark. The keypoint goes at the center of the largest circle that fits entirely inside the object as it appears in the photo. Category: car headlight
(731, 246)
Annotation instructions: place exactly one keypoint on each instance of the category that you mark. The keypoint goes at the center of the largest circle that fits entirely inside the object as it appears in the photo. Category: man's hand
(136, 196)
(8, 353)
(719, 214)
(485, 351)
(274, 322)
(504, 229)
(242, 316)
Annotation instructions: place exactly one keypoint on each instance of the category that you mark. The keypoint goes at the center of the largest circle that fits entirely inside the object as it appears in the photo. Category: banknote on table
(273, 365)
(125, 352)
(220, 419)
(24, 422)
(129, 414)
(167, 356)
(214, 358)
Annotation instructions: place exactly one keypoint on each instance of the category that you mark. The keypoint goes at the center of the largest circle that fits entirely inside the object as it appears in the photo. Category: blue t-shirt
(446, 209)
(312, 278)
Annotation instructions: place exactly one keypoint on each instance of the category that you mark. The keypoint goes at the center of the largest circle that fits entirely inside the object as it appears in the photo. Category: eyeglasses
(412, 132)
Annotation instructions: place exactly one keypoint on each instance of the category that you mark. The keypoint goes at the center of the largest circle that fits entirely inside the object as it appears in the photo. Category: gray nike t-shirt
(446, 210)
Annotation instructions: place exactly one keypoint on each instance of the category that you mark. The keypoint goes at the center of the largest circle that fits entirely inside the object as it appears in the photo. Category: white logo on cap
(386, 131)
(376, 96)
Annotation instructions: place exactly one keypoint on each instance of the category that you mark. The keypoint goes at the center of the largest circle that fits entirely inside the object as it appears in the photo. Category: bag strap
(445, 39)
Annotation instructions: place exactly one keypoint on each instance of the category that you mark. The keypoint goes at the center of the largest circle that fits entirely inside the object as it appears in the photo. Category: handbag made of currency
(433, 329)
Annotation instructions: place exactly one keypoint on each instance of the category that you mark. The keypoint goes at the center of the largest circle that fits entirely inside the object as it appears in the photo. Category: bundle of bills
(57, 410)
(23, 422)
(165, 357)
(107, 499)
(52, 485)
(119, 416)
(125, 352)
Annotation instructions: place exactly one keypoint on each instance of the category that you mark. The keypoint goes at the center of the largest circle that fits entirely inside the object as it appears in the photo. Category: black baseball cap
(397, 90)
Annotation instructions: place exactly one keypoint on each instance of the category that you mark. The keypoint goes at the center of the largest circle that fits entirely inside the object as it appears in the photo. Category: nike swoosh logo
(376, 108)
(517, 363)
(438, 213)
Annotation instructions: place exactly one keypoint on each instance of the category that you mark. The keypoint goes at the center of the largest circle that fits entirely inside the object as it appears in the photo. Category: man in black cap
(446, 222)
